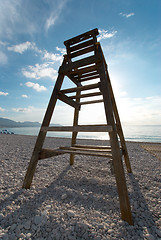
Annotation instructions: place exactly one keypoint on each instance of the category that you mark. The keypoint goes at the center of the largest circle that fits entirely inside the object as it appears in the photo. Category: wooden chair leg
(41, 137)
(116, 155)
(75, 123)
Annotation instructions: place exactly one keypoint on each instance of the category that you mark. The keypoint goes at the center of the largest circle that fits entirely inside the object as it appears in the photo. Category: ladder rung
(86, 95)
(92, 146)
(91, 102)
(84, 70)
(88, 153)
(79, 128)
(82, 88)
(88, 74)
(87, 149)
(81, 45)
(82, 51)
(80, 63)
(88, 78)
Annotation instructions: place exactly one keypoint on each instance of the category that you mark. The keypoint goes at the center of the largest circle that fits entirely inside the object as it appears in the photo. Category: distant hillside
(4, 122)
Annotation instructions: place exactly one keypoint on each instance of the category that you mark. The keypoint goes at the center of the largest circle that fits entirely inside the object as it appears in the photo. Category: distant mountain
(4, 122)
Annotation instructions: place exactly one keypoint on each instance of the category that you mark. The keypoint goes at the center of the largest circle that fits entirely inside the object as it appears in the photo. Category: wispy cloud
(2, 109)
(103, 34)
(24, 96)
(3, 94)
(127, 15)
(52, 57)
(36, 86)
(40, 71)
(56, 10)
(22, 47)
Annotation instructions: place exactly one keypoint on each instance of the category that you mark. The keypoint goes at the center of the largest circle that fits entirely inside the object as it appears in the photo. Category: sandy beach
(78, 202)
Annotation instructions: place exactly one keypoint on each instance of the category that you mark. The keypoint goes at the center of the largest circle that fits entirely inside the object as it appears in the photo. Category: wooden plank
(82, 88)
(84, 70)
(81, 45)
(81, 37)
(87, 150)
(47, 153)
(88, 78)
(68, 100)
(79, 63)
(75, 123)
(84, 75)
(61, 151)
(82, 51)
(80, 128)
(117, 160)
(42, 134)
(91, 102)
(87, 95)
(92, 146)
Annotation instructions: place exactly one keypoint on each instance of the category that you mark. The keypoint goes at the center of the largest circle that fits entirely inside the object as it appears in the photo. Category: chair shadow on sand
(52, 192)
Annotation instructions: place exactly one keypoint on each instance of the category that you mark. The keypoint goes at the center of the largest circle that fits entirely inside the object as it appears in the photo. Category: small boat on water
(5, 131)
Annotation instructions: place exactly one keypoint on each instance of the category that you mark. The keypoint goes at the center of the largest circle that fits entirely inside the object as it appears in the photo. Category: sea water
(139, 133)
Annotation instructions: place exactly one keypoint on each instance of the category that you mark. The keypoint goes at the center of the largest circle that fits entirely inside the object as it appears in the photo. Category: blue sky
(32, 33)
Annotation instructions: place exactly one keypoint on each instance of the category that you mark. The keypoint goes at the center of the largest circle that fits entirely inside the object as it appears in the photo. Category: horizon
(31, 50)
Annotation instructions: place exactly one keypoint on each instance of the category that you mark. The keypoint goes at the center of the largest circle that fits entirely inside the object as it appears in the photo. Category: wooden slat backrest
(80, 45)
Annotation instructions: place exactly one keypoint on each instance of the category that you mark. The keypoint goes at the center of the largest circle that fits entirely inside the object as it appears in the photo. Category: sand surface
(78, 202)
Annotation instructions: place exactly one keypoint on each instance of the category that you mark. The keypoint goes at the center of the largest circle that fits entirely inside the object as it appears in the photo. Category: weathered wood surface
(91, 102)
(79, 63)
(92, 146)
(93, 94)
(82, 51)
(82, 88)
(79, 128)
(81, 45)
(76, 72)
(68, 100)
(81, 37)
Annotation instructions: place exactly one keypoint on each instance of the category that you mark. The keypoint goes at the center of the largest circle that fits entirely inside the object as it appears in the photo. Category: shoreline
(78, 202)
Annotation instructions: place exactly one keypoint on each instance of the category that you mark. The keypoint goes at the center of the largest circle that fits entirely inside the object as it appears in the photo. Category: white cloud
(56, 10)
(52, 56)
(40, 71)
(24, 96)
(36, 86)
(3, 93)
(20, 48)
(21, 110)
(103, 34)
(127, 15)
(2, 109)
(62, 50)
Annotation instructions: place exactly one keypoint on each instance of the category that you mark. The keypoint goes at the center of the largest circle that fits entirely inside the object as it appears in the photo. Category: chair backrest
(81, 44)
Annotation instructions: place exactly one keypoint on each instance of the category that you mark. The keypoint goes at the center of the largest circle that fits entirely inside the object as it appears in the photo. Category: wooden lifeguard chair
(86, 68)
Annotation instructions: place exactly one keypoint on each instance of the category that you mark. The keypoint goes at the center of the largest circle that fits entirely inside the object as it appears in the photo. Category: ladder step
(82, 88)
(82, 51)
(81, 45)
(79, 128)
(86, 95)
(92, 146)
(76, 152)
(91, 102)
(84, 70)
(81, 37)
(87, 149)
(88, 78)
(65, 68)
